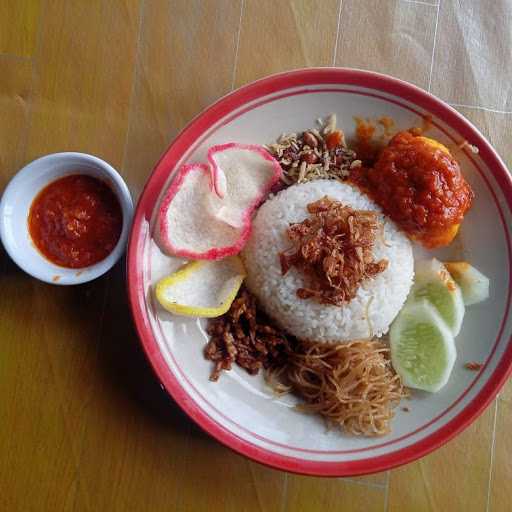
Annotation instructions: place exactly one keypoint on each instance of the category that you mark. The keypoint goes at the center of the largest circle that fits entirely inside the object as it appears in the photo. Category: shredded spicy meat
(333, 247)
(244, 335)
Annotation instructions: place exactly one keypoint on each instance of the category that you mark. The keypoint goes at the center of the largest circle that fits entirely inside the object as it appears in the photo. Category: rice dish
(327, 271)
(377, 301)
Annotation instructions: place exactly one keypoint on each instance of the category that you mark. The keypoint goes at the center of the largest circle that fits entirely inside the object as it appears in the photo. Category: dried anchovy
(246, 337)
(306, 156)
(334, 249)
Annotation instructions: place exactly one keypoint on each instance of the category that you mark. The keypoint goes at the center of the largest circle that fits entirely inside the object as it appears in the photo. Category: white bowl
(17, 199)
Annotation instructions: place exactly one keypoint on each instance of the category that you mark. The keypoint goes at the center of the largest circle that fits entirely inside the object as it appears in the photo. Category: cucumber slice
(422, 347)
(473, 284)
(434, 283)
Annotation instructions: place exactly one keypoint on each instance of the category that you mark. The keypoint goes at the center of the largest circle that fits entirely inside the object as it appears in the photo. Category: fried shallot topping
(333, 247)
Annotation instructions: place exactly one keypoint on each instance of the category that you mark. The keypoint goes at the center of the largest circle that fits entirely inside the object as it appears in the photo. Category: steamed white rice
(377, 301)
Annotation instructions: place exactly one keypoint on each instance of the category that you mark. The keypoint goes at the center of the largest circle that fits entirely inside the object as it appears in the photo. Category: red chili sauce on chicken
(75, 221)
(420, 186)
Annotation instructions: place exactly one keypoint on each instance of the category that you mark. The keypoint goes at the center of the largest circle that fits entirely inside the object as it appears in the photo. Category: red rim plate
(148, 200)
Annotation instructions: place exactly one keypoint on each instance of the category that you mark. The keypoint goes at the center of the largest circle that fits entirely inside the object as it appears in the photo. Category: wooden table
(83, 423)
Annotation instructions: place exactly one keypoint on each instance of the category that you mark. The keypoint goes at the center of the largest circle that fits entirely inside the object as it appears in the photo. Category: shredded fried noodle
(352, 385)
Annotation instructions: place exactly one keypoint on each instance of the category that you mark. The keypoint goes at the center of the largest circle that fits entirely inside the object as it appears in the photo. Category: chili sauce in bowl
(65, 218)
(75, 221)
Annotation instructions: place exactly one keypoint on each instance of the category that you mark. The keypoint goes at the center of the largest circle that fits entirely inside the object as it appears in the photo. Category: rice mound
(377, 301)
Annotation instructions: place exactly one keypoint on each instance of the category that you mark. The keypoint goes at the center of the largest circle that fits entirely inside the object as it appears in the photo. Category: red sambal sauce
(420, 187)
(364, 144)
(75, 221)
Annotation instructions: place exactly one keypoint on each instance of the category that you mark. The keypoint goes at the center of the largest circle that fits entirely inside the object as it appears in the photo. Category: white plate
(240, 410)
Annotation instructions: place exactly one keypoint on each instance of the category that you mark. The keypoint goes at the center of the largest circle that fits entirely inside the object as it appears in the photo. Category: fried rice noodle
(352, 385)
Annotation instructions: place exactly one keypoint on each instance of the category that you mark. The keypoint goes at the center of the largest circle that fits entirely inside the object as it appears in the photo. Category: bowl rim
(262, 87)
(85, 274)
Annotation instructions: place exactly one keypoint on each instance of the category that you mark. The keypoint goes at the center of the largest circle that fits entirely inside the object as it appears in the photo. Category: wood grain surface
(84, 424)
